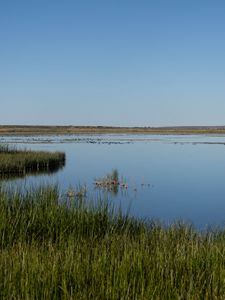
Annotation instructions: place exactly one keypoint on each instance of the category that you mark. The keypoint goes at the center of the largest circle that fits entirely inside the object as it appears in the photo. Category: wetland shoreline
(67, 244)
(72, 249)
(43, 130)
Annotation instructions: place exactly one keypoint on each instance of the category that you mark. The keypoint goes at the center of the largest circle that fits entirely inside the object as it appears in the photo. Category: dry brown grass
(42, 130)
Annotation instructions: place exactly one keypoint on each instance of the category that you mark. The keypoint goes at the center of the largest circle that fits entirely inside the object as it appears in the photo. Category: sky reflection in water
(169, 177)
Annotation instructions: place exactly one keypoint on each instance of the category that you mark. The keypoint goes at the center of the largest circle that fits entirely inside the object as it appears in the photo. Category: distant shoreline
(43, 130)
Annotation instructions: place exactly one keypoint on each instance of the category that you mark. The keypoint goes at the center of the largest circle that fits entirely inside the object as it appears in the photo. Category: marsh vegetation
(15, 162)
(58, 247)
(45, 130)
(111, 182)
(75, 244)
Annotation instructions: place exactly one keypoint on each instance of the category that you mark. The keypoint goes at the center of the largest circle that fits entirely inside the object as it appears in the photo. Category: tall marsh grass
(55, 247)
(20, 162)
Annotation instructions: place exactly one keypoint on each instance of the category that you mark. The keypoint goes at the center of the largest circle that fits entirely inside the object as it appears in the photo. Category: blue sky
(118, 62)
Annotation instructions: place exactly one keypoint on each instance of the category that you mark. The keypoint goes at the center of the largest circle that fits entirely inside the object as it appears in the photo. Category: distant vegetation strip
(58, 247)
(39, 130)
(21, 162)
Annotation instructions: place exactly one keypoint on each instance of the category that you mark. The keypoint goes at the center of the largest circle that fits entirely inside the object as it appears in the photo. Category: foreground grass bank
(14, 162)
(53, 247)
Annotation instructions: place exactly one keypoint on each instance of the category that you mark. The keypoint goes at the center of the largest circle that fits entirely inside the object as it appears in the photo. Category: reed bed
(58, 247)
(20, 162)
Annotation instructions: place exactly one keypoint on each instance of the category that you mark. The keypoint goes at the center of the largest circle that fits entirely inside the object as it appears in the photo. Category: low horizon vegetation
(169, 130)
(58, 247)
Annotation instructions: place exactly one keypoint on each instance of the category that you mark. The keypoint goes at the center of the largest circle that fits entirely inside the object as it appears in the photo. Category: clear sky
(112, 62)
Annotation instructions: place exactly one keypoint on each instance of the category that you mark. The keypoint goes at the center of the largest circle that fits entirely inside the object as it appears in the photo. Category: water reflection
(50, 170)
(168, 178)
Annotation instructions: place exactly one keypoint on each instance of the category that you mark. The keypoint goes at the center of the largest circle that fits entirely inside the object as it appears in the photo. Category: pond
(168, 178)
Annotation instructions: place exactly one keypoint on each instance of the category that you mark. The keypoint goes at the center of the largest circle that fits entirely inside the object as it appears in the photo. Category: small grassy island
(57, 247)
(14, 162)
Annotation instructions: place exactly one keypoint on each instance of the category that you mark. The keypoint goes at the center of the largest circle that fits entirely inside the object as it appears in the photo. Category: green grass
(14, 162)
(54, 247)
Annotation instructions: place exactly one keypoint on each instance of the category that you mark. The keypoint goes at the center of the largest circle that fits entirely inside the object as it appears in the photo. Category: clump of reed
(111, 182)
(15, 162)
(55, 247)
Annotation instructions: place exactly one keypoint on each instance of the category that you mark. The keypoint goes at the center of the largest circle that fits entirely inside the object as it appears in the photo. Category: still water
(169, 178)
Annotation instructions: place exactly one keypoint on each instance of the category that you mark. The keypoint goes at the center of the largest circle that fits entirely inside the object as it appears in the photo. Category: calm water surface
(169, 178)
